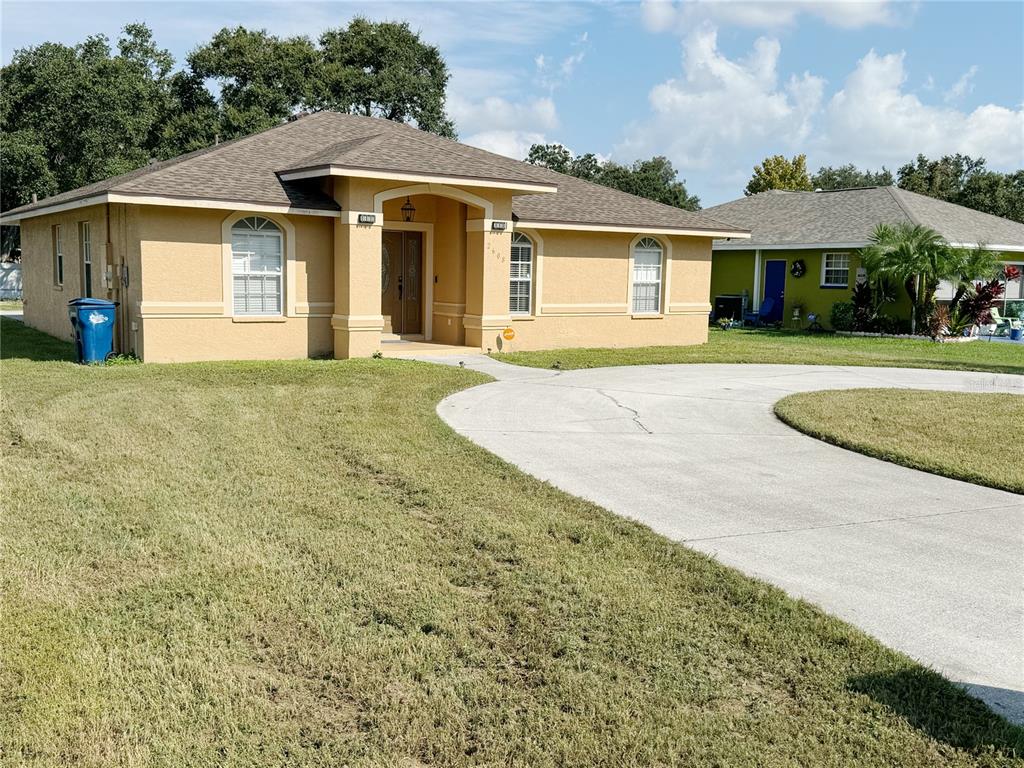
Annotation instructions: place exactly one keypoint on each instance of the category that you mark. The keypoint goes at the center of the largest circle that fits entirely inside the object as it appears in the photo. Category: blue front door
(774, 287)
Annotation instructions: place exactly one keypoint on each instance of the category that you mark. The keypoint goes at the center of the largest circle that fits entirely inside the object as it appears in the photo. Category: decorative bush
(977, 305)
(841, 318)
(938, 321)
(891, 325)
(863, 307)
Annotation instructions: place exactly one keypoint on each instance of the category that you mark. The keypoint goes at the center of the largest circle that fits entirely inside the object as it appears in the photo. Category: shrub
(891, 325)
(841, 318)
(123, 359)
(977, 305)
(863, 307)
(959, 321)
(938, 321)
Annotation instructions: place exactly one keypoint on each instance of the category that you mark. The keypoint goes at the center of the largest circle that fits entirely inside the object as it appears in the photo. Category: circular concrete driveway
(931, 566)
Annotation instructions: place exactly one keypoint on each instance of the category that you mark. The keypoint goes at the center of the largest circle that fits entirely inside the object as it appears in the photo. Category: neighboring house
(326, 234)
(10, 280)
(825, 230)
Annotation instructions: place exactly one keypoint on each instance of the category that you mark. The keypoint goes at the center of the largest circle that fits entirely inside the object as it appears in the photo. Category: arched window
(256, 266)
(647, 276)
(521, 279)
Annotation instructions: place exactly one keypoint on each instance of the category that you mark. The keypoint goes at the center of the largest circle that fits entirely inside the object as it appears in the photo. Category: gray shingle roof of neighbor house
(273, 168)
(849, 216)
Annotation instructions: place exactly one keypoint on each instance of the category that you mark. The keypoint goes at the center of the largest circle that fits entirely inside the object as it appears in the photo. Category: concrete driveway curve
(930, 566)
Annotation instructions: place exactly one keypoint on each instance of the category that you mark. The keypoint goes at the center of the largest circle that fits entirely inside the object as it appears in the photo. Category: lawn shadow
(19, 342)
(946, 711)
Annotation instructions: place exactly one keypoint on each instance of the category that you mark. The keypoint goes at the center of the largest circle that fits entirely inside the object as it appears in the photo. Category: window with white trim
(256, 266)
(647, 276)
(58, 256)
(835, 270)
(85, 248)
(520, 285)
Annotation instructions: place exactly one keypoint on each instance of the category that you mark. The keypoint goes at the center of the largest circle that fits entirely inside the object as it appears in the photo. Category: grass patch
(788, 347)
(18, 341)
(298, 563)
(967, 436)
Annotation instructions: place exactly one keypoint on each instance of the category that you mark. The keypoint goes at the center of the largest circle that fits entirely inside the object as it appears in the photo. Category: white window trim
(85, 244)
(824, 269)
(288, 266)
(632, 276)
(529, 280)
(247, 272)
(58, 254)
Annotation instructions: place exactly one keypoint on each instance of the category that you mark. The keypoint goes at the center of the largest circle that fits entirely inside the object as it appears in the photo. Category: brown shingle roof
(582, 202)
(249, 170)
(385, 145)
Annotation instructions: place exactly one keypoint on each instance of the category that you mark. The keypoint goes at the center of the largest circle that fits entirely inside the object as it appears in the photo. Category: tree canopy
(656, 179)
(966, 181)
(958, 179)
(849, 177)
(382, 70)
(73, 115)
(777, 172)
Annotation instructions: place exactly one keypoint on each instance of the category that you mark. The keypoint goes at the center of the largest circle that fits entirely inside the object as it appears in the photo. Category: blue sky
(715, 86)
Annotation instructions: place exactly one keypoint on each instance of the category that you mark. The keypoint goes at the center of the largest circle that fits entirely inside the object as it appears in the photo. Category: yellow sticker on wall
(508, 334)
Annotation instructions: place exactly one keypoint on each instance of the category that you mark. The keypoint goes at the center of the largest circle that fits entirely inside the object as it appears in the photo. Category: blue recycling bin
(93, 323)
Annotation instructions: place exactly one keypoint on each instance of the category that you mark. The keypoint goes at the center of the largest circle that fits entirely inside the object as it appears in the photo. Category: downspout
(111, 276)
(115, 287)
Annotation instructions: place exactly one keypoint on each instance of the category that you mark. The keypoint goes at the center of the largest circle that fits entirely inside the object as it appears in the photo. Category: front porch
(420, 266)
(415, 346)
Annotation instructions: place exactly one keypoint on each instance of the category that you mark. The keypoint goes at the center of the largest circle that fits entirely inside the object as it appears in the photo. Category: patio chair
(760, 319)
(1002, 324)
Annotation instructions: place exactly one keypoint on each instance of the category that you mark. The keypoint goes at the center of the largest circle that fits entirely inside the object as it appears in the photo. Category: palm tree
(970, 265)
(920, 259)
(913, 255)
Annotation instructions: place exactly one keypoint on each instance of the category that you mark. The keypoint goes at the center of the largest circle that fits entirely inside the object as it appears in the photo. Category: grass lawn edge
(795, 419)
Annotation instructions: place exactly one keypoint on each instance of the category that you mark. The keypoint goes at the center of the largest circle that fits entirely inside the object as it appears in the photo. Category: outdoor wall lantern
(408, 211)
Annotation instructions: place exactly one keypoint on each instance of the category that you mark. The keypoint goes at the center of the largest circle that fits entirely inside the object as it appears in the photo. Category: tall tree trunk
(910, 286)
(960, 291)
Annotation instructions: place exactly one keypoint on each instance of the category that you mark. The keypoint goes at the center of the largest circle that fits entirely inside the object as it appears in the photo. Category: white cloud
(963, 86)
(666, 15)
(514, 144)
(551, 77)
(506, 125)
(496, 112)
(873, 120)
(719, 105)
(720, 116)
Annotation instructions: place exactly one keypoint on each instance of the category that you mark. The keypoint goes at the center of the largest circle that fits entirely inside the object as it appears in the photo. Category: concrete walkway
(930, 566)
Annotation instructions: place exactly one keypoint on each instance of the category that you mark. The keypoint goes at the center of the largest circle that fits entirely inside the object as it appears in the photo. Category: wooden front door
(401, 282)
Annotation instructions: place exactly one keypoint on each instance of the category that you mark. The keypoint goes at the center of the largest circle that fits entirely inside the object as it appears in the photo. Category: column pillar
(488, 253)
(357, 321)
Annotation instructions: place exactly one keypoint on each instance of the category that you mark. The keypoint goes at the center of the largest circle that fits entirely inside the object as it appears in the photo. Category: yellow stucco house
(337, 235)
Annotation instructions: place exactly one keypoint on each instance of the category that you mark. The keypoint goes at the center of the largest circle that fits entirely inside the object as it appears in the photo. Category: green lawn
(757, 346)
(969, 436)
(299, 564)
